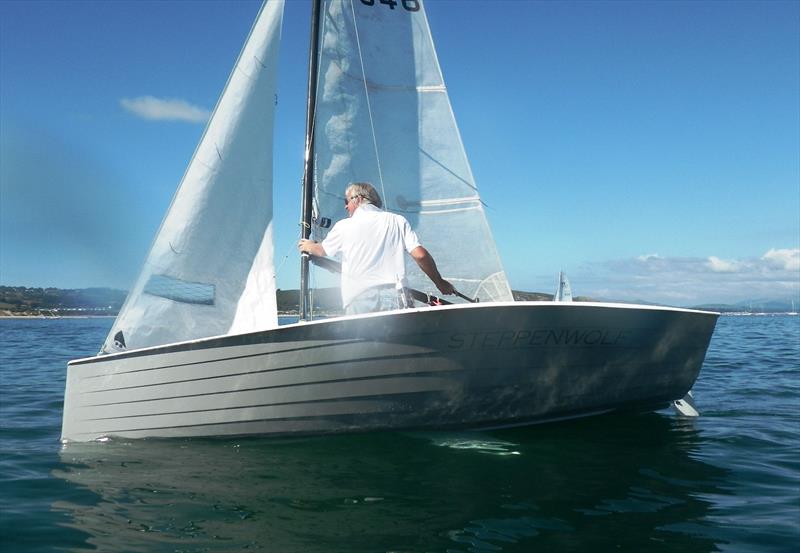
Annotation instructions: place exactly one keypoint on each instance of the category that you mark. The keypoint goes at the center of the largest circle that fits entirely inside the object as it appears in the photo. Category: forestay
(210, 269)
(383, 115)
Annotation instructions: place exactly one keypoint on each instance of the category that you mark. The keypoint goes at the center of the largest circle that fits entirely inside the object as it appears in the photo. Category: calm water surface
(728, 481)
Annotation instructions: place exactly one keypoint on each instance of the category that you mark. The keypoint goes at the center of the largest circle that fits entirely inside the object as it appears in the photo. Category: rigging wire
(315, 212)
(283, 260)
(369, 106)
(312, 292)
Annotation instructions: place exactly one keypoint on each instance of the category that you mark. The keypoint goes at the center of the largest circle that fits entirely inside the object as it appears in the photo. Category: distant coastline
(30, 302)
(23, 301)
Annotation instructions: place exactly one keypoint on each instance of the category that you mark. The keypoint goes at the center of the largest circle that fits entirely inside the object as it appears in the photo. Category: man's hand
(445, 287)
(309, 246)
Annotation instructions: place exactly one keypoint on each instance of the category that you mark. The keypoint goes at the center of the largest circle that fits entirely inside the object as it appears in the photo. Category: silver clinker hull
(464, 366)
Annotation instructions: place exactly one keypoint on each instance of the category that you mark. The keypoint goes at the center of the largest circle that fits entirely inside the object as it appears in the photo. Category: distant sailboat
(197, 351)
(563, 291)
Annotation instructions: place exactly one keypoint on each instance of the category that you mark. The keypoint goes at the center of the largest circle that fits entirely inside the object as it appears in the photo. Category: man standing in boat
(373, 243)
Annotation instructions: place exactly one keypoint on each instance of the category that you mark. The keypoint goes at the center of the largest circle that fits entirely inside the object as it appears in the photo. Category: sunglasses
(348, 200)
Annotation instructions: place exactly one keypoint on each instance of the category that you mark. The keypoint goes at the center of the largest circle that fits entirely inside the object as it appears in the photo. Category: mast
(308, 169)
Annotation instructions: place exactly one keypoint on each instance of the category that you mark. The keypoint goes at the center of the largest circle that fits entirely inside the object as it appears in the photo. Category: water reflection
(629, 483)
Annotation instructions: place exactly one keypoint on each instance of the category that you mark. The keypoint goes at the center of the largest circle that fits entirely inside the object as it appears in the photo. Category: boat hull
(466, 366)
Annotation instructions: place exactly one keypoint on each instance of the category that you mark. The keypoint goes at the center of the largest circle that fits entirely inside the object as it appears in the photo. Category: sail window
(180, 290)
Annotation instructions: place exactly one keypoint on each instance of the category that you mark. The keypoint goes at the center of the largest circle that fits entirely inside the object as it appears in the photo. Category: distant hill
(519, 295)
(25, 301)
(323, 300)
(21, 300)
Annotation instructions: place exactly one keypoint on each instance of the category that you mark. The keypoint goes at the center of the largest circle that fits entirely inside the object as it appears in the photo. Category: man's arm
(428, 266)
(309, 246)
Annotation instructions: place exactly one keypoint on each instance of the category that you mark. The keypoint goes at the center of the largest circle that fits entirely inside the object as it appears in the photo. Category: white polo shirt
(373, 245)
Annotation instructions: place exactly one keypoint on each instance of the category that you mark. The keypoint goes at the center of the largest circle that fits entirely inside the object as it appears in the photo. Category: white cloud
(692, 280)
(648, 257)
(788, 260)
(165, 109)
(722, 266)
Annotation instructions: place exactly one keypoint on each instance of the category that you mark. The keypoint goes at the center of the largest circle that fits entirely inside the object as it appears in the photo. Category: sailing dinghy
(197, 350)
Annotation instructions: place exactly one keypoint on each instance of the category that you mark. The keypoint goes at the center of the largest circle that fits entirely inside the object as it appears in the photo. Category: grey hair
(364, 190)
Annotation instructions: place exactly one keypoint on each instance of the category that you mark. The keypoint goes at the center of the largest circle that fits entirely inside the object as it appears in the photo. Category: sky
(649, 149)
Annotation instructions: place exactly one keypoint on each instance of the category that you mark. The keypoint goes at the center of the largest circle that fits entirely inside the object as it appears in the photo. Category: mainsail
(210, 269)
(383, 115)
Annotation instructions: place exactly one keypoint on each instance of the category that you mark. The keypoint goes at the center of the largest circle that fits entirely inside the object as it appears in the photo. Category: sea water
(726, 481)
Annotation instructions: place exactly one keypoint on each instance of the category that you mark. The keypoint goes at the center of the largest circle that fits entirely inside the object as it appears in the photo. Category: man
(372, 243)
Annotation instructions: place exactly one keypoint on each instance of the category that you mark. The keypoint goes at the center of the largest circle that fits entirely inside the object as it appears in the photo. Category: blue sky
(649, 149)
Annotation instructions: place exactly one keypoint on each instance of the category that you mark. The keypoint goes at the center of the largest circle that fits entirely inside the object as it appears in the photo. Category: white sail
(383, 116)
(210, 269)
(563, 291)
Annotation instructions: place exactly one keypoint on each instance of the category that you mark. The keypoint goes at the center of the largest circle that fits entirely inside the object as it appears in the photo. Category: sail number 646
(409, 5)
